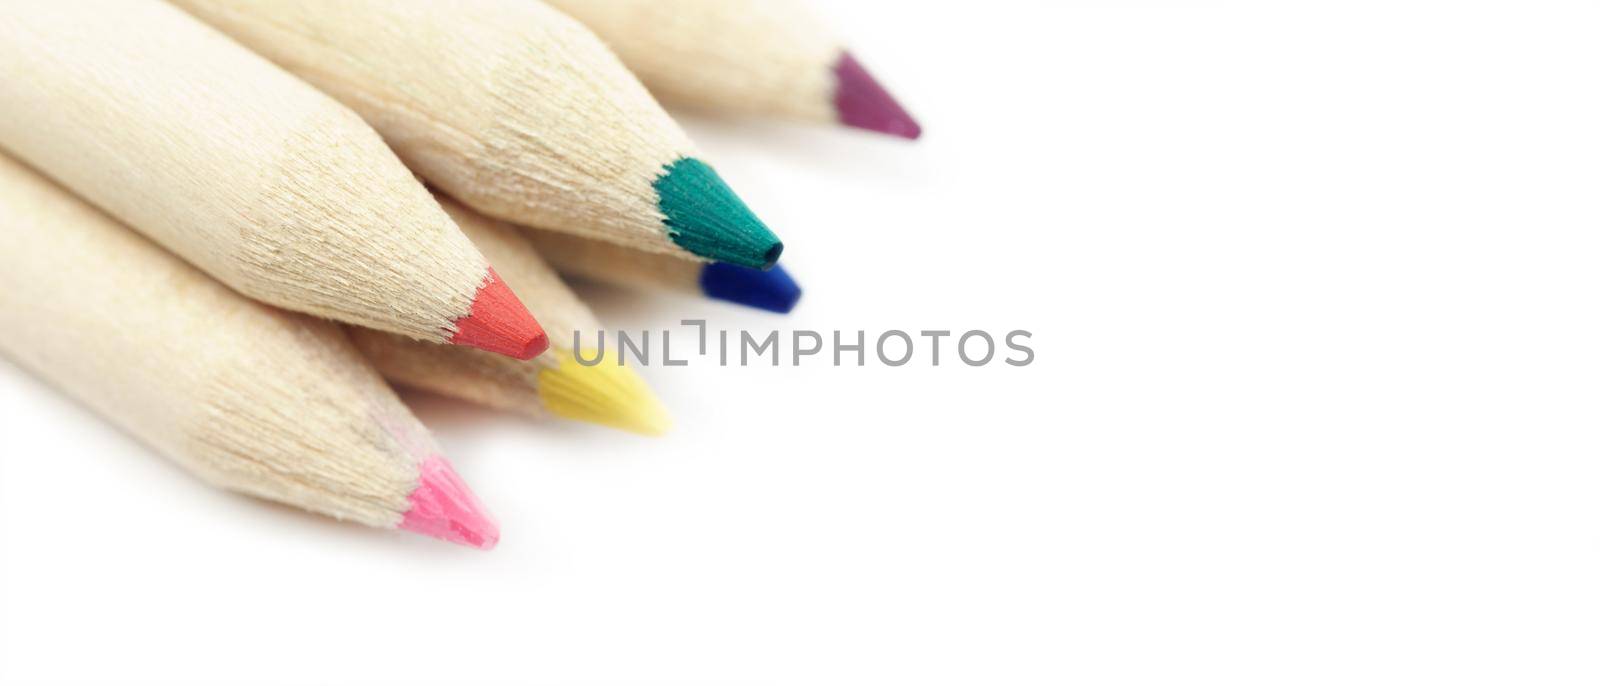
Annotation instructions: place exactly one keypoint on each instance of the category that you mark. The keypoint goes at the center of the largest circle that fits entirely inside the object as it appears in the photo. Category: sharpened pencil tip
(604, 393)
(499, 323)
(863, 103)
(705, 217)
(773, 290)
(443, 507)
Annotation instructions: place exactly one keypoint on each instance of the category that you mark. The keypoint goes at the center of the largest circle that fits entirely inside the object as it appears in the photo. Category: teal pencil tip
(706, 218)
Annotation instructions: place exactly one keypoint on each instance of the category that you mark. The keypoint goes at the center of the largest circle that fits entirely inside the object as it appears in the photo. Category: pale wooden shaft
(481, 377)
(770, 57)
(245, 396)
(508, 105)
(229, 161)
(615, 264)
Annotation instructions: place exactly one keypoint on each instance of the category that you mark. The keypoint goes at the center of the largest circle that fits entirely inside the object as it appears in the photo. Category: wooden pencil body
(615, 264)
(766, 57)
(247, 397)
(597, 390)
(474, 375)
(228, 161)
(507, 105)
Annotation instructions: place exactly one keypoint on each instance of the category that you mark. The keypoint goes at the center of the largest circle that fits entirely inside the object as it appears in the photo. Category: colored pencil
(772, 290)
(252, 175)
(246, 397)
(760, 57)
(516, 110)
(554, 383)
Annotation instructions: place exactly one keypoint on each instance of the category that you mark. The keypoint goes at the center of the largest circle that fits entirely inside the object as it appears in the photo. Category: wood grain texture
(508, 105)
(764, 57)
(474, 375)
(615, 264)
(228, 161)
(247, 397)
(551, 384)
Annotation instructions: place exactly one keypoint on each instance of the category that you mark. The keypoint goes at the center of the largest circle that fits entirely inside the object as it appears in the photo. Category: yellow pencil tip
(604, 393)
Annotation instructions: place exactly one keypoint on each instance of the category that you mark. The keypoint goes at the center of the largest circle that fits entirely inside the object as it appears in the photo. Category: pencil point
(863, 103)
(706, 218)
(773, 290)
(605, 393)
(444, 508)
(499, 323)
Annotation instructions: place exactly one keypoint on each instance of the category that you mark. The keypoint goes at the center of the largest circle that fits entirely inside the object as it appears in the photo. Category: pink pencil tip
(443, 507)
(864, 104)
(499, 323)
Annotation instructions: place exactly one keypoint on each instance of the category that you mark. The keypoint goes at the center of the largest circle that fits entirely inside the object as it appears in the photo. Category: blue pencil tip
(772, 290)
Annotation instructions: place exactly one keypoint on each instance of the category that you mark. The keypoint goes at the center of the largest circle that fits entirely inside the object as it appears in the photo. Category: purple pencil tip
(864, 104)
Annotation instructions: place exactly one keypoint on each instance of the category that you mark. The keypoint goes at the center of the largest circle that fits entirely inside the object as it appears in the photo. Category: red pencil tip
(443, 507)
(864, 104)
(499, 323)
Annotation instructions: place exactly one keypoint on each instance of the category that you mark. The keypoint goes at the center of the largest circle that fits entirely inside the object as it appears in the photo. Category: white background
(1313, 289)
